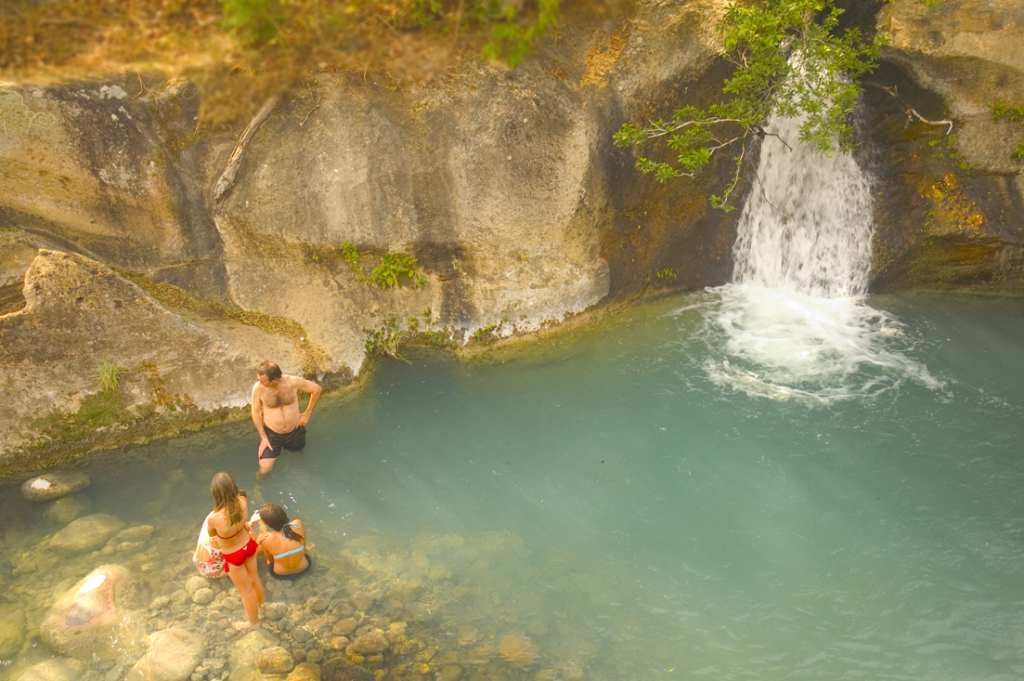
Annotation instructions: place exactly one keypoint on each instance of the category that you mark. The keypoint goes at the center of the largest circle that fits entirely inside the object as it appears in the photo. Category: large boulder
(85, 533)
(79, 313)
(95, 618)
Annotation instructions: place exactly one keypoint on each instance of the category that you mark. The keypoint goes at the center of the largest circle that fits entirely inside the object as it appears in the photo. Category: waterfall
(807, 225)
(794, 323)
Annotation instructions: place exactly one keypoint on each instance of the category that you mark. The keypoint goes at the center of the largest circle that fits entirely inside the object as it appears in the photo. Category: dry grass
(237, 65)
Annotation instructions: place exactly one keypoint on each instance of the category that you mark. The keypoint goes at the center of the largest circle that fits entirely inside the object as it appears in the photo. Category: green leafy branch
(791, 60)
(389, 271)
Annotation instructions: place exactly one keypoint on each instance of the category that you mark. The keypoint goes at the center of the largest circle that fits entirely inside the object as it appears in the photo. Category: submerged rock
(340, 669)
(53, 485)
(86, 533)
(92, 620)
(518, 651)
(275, 660)
(66, 509)
(370, 643)
(60, 669)
(171, 655)
(12, 629)
(305, 672)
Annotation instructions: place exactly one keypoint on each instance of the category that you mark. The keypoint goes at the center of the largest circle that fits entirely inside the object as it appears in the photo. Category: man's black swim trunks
(294, 441)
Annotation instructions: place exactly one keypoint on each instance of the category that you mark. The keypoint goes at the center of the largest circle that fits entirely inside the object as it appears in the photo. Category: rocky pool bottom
(116, 600)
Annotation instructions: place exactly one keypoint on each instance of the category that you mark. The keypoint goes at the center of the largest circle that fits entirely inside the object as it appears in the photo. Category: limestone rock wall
(950, 212)
(503, 183)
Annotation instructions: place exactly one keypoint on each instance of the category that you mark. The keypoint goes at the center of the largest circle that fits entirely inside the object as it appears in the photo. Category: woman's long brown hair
(225, 494)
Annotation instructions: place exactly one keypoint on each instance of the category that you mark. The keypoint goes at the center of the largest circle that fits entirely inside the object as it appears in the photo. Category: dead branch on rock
(909, 110)
(227, 178)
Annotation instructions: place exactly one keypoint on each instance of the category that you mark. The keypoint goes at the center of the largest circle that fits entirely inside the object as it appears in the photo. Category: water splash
(794, 320)
(807, 225)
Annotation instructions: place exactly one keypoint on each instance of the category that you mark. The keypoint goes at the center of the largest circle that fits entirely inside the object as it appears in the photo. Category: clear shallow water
(638, 514)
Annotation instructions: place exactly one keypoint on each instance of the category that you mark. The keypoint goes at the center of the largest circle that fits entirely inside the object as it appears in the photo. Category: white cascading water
(795, 322)
(807, 224)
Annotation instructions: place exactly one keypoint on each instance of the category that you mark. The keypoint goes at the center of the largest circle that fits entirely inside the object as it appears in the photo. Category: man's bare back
(275, 406)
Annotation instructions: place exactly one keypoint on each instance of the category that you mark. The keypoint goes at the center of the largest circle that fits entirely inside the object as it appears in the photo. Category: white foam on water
(787, 345)
(795, 321)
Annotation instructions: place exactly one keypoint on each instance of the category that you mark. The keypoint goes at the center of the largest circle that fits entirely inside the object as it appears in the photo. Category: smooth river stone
(12, 629)
(53, 485)
(60, 669)
(86, 533)
(91, 620)
(62, 511)
(171, 655)
(340, 669)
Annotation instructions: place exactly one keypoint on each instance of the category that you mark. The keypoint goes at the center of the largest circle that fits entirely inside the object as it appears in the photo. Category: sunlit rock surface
(93, 620)
(951, 192)
(503, 183)
(171, 655)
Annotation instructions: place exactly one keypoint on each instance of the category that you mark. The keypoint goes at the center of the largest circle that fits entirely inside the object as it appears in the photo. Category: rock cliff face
(950, 213)
(503, 184)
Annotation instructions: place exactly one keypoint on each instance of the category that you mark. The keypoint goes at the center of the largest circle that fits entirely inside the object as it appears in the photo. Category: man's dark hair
(270, 370)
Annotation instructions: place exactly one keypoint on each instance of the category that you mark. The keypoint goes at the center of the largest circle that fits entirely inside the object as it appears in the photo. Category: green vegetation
(177, 297)
(791, 59)
(107, 376)
(667, 273)
(387, 339)
(1014, 114)
(389, 270)
(242, 52)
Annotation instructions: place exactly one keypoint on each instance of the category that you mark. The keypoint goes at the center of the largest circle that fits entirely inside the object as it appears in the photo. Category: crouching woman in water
(284, 543)
(234, 535)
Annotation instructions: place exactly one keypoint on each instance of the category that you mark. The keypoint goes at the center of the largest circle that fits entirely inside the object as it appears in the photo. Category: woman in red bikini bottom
(228, 523)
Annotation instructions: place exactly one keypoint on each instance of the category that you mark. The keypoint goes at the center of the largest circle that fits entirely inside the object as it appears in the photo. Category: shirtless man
(275, 412)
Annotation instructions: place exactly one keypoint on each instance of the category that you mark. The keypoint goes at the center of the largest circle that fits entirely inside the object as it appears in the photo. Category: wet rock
(275, 611)
(171, 655)
(314, 655)
(60, 669)
(53, 484)
(86, 533)
(62, 511)
(243, 654)
(135, 533)
(194, 584)
(518, 651)
(322, 601)
(362, 600)
(305, 672)
(159, 603)
(370, 643)
(12, 629)
(396, 632)
(345, 626)
(340, 643)
(275, 660)
(450, 673)
(92, 619)
(340, 669)
(301, 634)
(203, 596)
